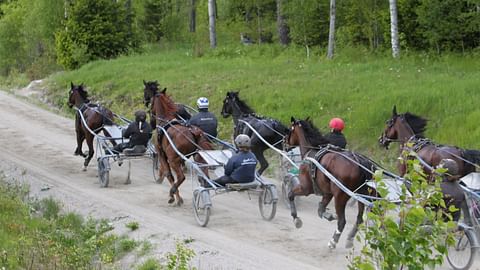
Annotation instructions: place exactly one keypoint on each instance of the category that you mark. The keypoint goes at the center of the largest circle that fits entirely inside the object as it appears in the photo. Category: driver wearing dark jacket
(336, 137)
(240, 168)
(204, 119)
(138, 132)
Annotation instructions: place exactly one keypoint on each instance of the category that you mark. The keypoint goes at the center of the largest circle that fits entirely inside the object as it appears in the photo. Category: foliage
(447, 24)
(150, 264)
(133, 225)
(12, 42)
(181, 258)
(411, 234)
(26, 36)
(308, 21)
(52, 239)
(98, 29)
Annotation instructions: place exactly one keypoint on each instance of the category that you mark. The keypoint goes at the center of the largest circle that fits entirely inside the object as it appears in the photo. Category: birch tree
(394, 28)
(211, 20)
(331, 33)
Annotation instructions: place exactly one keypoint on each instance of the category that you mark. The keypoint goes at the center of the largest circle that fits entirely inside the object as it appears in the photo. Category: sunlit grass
(357, 86)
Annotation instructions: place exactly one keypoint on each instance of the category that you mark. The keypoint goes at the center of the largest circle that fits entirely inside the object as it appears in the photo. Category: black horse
(273, 131)
(150, 90)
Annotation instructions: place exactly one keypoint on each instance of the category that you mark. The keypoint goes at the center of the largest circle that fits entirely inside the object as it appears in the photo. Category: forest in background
(39, 37)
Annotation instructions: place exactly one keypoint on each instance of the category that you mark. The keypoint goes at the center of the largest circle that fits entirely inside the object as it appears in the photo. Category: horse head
(390, 132)
(292, 137)
(228, 103)
(77, 95)
(149, 91)
(402, 127)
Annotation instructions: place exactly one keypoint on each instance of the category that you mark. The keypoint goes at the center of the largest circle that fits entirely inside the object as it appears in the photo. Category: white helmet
(202, 103)
(242, 140)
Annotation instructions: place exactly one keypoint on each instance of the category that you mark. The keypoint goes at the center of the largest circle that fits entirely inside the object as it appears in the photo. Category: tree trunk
(211, 20)
(259, 25)
(331, 33)
(282, 25)
(193, 16)
(394, 28)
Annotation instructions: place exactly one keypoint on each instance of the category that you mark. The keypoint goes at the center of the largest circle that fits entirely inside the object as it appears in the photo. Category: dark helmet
(140, 116)
(450, 165)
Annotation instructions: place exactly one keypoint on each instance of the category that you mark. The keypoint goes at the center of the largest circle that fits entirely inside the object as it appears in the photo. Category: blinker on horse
(187, 139)
(273, 131)
(408, 129)
(342, 164)
(95, 117)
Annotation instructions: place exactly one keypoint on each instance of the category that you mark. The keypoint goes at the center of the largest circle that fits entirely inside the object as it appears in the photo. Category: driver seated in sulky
(240, 168)
(138, 132)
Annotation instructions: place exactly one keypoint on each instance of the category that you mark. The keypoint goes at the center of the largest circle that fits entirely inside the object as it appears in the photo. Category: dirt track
(42, 143)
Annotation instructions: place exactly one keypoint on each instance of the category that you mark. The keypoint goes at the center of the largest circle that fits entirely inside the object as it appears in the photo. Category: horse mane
(313, 134)
(243, 105)
(417, 123)
(169, 107)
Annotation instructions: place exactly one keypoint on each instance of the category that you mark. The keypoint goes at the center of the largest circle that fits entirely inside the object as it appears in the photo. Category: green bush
(95, 29)
(411, 235)
(133, 225)
(150, 264)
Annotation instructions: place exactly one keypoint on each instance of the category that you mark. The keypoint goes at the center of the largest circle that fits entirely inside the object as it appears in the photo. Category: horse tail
(473, 156)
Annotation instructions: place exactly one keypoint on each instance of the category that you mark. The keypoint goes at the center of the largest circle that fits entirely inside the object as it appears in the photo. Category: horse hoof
(349, 243)
(298, 223)
(332, 244)
(159, 181)
(329, 216)
(180, 202)
(128, 182)
(172, 200)
(84, 168)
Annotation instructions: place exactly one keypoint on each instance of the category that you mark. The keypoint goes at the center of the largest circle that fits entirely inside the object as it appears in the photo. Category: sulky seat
(137, 150)
(243, 186)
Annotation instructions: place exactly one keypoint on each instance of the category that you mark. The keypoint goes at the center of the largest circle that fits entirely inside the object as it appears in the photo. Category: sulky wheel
(267, 203)
(201, 207)
(103, 172)
(462, 253)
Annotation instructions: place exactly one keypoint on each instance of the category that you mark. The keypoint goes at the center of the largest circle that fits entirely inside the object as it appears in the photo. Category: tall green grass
(281, 82)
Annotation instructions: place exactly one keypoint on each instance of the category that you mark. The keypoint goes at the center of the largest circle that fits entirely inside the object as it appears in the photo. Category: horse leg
(80, 137)
(164, 170)
(296, 191)
(89, 139)
(322, 207)
(340, 203)
(177, 166)
(261, 159)
(353, 232)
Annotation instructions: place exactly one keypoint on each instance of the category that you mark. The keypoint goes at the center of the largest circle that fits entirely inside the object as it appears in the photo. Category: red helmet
(337, 124)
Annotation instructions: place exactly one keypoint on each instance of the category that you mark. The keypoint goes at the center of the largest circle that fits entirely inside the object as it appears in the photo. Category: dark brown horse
(187, 139)
(150, 90)
(272, 130)
(342, 164)
(408, 129)
(96, 117)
